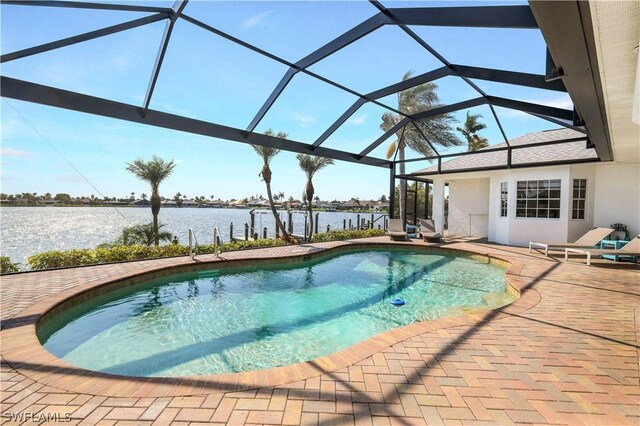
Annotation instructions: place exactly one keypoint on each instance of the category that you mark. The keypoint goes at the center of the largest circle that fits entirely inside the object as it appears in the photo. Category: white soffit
(616, 27)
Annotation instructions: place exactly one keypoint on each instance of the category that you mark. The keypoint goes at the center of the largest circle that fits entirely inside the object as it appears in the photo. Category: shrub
(62, 258)
(348, 234)
(122, 253)
(6, 266)
(143, 235)
(242, 245)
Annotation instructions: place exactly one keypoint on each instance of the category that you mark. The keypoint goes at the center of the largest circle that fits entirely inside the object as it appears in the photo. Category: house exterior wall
(499, 226)
(617, 195)
(522, 230)
(469, 207)
(438, 204)
(613, 195)
(579, 227)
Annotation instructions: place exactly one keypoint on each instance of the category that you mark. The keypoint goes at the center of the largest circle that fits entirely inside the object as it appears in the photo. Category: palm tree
(153, 172)
(310, 165)
(143, 196)
(470, 131)
(436, 129)
(267, 153)
(145, 235)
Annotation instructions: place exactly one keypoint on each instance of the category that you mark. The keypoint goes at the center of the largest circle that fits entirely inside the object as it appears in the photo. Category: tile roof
(535, 154)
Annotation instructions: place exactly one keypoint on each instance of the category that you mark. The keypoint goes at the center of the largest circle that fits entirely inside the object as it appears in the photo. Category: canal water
(26, 231)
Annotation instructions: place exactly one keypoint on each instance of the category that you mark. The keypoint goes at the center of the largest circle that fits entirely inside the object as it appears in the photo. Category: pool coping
(22, 350)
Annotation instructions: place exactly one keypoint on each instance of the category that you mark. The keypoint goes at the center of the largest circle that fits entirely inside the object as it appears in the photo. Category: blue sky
(209, 78)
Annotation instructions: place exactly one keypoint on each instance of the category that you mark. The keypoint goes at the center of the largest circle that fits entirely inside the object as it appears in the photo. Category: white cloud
(12, 152)
(561, 101)
(255, 19)
(358, 121)
(304, 120)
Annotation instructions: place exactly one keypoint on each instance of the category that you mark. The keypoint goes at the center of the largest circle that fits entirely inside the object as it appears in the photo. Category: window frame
(539, 195)
(504, 199)
(583, 199)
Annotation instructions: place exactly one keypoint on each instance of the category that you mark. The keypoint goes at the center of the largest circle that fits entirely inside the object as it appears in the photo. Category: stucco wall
(469, 207)
(522, 230)
(613, 195)
(499, 226)
(578, 227)
(617, 195)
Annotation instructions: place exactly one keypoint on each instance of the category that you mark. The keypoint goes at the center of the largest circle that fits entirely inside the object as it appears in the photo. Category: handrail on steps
(217, 241)
(193, 249)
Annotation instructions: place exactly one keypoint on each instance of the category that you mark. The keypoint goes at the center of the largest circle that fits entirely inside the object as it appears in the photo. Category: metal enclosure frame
(570, 45)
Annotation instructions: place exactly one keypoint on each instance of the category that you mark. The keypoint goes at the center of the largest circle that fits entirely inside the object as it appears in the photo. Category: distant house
(255, 202)
(114, 203)
(20, 201)
(379, 206)
(189, 203)
(357, 205)
(48, 202)
(349, 205)
(142, 203)
(295, 204)
(169, 203)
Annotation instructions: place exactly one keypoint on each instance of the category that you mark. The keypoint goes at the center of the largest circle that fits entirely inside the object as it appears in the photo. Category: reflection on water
(30, 230)
(248, 319)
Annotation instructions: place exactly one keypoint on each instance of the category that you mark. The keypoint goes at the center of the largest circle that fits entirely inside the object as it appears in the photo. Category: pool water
(241, 319)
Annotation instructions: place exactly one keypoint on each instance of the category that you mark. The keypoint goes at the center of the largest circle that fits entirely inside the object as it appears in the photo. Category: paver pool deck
(566, 352)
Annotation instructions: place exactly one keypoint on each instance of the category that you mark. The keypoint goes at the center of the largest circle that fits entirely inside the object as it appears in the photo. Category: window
(579, 198)
(504, 192)
(538, 198)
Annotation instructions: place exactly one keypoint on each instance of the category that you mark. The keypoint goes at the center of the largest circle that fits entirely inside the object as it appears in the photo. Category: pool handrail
(193, 248)
(217, 241)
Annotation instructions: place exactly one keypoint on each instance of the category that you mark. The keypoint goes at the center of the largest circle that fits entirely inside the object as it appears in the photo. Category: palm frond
(392, 149)
(142, 235)
(154, 171)
(311, 164)
(268, 152)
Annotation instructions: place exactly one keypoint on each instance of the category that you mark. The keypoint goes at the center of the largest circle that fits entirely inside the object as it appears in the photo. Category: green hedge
(241, 245)
(347, 234)
(6, 266)
(64, 258)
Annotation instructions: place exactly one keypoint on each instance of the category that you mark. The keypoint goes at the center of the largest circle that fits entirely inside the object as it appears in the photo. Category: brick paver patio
(567, 352)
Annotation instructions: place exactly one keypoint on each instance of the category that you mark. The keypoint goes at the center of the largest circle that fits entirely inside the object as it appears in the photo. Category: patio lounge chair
(395, 230)
(428, 231)
(632, 248)
(588, 240)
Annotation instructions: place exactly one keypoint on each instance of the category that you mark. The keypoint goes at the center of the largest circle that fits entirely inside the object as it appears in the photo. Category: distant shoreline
(262, 209)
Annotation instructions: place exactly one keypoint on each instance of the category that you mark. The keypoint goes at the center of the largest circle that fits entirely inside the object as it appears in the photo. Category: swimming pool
(243, 319)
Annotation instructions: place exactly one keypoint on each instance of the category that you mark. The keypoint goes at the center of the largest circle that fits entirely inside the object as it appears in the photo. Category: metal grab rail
(217, 241)
(382, 216)
(193, 248)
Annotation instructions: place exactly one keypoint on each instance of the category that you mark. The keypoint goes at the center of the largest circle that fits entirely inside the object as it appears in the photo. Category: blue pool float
(397, 302)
